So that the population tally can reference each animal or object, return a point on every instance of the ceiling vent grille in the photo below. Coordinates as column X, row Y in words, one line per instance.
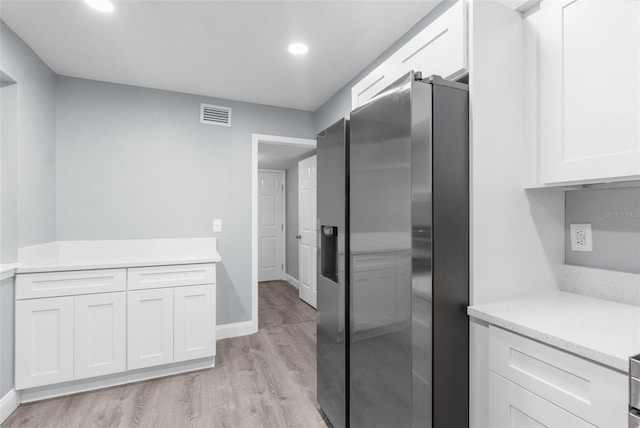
column 215, row 115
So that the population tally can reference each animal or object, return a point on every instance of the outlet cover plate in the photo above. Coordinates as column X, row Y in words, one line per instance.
column 581, row 238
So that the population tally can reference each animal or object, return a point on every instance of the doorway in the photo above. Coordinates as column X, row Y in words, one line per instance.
column 274, row 156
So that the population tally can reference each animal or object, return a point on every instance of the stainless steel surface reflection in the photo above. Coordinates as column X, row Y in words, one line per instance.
column 332, row 273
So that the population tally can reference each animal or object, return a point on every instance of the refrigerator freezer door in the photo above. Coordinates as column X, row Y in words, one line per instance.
column 332, row 273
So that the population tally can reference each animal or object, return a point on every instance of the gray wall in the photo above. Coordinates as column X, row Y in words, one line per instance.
column 614, row 215
column 6, row 333
column 28, row 170
column 292, row 221
column 36, row 128
column 8, row 173
column 137, row 163
column 339, row 105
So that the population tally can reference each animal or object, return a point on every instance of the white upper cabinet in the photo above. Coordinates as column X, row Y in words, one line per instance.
column 588, row 90
column 441, row 48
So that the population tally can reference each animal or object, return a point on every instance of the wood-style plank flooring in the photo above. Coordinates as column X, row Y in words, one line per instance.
column 267, row 379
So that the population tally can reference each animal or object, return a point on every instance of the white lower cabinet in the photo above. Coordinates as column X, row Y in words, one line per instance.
column 44, row 341
column 111, row 325
column 511, row 406
column 533, row 384
column 150, row 328
column 194, row 315
column 100, row 332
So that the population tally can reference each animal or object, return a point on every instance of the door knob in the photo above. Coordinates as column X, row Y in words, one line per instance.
column 298, row 236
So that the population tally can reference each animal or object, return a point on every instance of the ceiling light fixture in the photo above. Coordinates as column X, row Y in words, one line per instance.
column 298, row 48
column 101, row 5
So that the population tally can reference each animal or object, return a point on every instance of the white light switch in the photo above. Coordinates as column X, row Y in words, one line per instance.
column 217, row 225
column 581, row 239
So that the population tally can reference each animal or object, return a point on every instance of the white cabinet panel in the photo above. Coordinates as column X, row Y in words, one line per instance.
column 194, row 322
column 44, row 341
column 589, row 90
column 441, row 48
column 170, row 276
column 586, row 389
column 150, row 328
column 100, row 334
column 54, row 284
column 511, row 406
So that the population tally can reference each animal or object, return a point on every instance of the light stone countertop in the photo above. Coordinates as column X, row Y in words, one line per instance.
column 58, row 264
column 86, row 255
column 601, row 330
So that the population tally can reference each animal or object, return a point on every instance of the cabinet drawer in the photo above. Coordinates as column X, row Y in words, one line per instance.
column 71, row 283
column 586, row 389
column 514, row 407
column 171, row 276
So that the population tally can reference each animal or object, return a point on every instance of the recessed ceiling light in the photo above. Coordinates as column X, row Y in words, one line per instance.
column 298, row 48
column 101, row 5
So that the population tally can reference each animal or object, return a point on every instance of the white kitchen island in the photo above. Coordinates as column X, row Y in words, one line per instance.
column 91, row 314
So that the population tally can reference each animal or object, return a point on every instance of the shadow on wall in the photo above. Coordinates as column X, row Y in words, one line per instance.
column 228, row 297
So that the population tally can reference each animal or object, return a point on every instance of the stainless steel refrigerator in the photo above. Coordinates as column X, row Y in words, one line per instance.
column 392, row 324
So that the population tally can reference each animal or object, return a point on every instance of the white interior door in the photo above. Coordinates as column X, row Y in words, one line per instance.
column 307, row 219
column 270, row 225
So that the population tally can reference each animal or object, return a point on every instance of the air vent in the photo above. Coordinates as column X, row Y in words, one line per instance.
column 215, row 115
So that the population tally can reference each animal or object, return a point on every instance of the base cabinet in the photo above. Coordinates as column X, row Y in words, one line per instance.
column 100, row 333
column 511, row 406
column 160, row 315
column 44, row 341
column 150, row 328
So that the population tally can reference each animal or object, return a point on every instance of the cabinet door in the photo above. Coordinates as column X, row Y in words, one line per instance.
column 589, row 90
column 100, row 334
column 512, row 406
column 150, row 328
column 44, row 341
column 194, row 334
column 438, row 49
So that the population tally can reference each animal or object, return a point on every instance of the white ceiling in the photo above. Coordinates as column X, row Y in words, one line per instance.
column 281, row 156
column 229, row 49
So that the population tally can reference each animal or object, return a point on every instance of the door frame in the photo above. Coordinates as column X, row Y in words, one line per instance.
column 255, row 140
column 283, row 247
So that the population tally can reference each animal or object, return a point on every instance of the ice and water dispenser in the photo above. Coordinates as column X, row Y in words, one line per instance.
column 329, row 252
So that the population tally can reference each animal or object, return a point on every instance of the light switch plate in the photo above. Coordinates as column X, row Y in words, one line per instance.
column 581, row 239
column 217, row 225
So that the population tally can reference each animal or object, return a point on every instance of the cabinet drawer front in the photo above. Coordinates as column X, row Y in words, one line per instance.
column 71, row 283
column 171, row 276
column 514, row 407
column 586, row 389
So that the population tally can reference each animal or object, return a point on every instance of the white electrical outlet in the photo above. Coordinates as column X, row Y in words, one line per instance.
column 217, row 225
column 581, row 239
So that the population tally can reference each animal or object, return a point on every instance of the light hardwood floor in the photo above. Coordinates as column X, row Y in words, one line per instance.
column 264, row 380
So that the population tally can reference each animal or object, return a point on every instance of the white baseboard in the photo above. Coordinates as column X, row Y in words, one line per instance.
column 107, row 381
column 291, row 280
column 244, row 328
column 8, row 404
